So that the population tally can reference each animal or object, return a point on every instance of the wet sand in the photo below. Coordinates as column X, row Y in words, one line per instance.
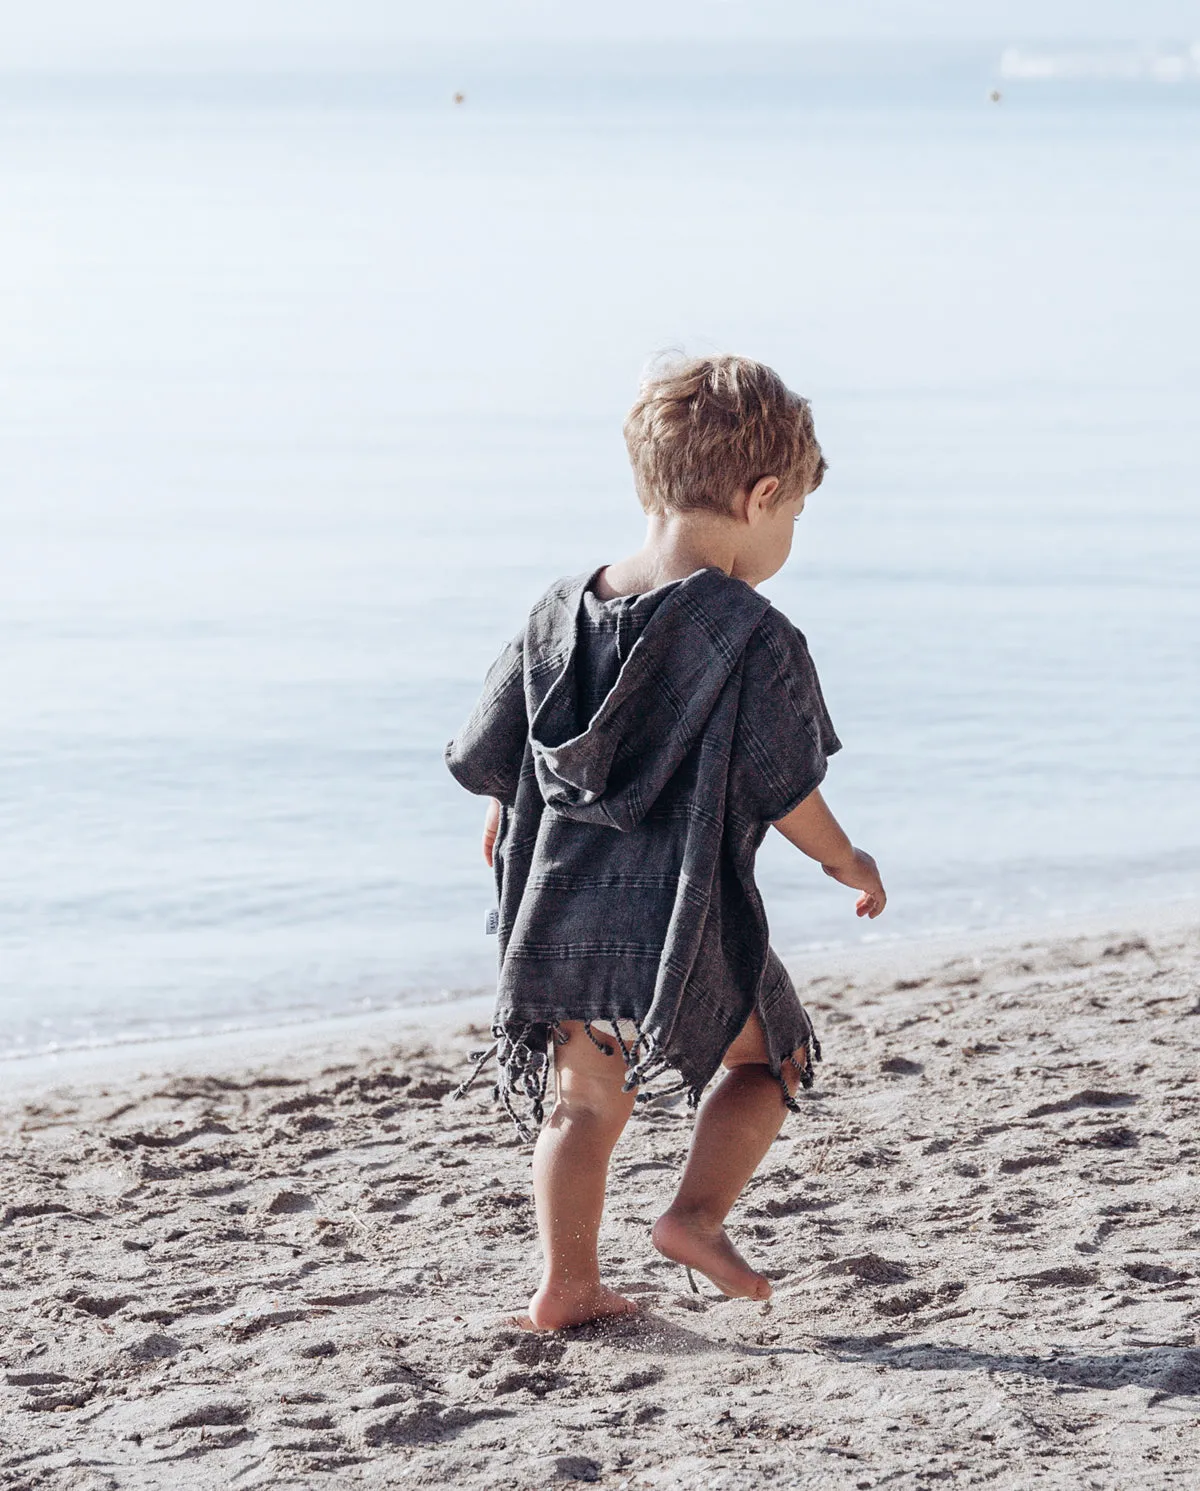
column 984, row 1230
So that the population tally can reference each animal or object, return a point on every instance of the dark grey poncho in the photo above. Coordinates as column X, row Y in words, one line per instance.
column 640, row 749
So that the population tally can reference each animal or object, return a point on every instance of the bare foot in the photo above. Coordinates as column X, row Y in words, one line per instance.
column 684, row 1240
column 554, row 1307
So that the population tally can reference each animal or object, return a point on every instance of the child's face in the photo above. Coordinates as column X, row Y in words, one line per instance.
column 770, row 528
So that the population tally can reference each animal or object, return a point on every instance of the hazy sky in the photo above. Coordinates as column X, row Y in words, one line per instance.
column 54, row 30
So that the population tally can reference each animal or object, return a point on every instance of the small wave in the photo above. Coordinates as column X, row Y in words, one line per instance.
column 60, row 1044
column 1109, row 65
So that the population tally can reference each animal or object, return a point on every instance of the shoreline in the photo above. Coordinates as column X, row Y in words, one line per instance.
column 308, row 1038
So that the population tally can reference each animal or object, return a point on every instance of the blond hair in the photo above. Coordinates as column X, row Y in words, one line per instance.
column 706, row 428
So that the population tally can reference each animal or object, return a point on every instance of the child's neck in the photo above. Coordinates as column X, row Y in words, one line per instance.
column 677, row 545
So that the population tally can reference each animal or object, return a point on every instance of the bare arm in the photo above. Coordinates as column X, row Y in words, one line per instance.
column 491, row 827
column 816, row 832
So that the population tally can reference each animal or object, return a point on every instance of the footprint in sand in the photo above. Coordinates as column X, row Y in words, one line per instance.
column 1091, row 1097
column 870, row 1268
column 900, row 1066
column 288, row 1203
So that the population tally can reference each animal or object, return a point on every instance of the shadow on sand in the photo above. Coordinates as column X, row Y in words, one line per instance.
column 1168, row 1371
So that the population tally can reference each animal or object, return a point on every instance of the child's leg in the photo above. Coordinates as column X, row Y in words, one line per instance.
column 734, row 1129
column 570, row 1172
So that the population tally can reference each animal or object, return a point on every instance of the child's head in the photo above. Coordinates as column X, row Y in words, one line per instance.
column 707, row 430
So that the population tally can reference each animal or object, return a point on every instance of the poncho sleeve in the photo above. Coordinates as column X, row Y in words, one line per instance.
column 784, row 735
column 486, row 754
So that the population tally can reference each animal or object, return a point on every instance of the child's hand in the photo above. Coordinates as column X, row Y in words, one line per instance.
column 860, row 872
column 491, row 827
column 816, row 832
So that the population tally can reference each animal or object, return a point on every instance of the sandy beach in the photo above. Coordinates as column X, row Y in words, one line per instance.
column 246, row 1269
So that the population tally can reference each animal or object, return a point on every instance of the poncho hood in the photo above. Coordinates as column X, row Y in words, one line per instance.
column 609, row 767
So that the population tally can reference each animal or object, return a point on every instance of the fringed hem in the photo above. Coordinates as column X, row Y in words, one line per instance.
column 810, row 1054
column 523, row 1069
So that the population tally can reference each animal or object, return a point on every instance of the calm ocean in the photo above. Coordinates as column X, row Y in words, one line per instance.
column 309, row 386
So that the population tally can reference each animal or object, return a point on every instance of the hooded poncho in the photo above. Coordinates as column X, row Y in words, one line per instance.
column 640, row 748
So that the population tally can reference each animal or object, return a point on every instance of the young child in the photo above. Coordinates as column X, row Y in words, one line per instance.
column 638, row 738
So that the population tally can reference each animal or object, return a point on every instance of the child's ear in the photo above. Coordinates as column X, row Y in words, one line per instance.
column 759, row 498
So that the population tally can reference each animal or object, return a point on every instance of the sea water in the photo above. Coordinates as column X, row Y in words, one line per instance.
column 311, row 383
